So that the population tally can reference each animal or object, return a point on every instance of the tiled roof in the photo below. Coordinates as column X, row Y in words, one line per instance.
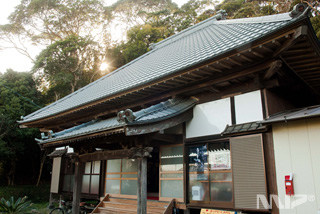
column 245, row 127
column 202, row 42
column 295, row 114
column 155, row 113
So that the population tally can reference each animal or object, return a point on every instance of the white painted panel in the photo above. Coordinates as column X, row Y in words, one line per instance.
column 314, row 136
column 294, row 143
column 209, row 118
column 248, row 107
column 55, row 177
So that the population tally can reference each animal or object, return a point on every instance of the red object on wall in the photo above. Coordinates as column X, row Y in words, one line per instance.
column 289, row 185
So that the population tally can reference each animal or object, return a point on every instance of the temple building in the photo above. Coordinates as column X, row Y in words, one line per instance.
column 222, row 116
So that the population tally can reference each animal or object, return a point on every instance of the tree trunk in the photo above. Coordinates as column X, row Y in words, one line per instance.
column 42, row 161
column 11, row 173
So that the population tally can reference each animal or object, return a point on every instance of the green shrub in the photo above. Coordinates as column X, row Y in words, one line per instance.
column 14, row 207
column 35, row 193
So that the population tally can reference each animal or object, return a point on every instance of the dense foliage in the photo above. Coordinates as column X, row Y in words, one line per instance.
column 67, row 65
column 18, row 95
column 36, row 194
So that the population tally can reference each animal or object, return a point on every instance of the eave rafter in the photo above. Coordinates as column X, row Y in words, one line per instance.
column 303, row 57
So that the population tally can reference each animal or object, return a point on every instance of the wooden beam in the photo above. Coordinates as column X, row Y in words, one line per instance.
column 211, row 67
column 307, row 69
column 77, row 187
column 298, row 51
column 299, row 63
column 275, row 42
column 306, row 65
column 234, row 61
column 256, row 53
column 229, row 76
column 142, row 186
column 132, row 153
column 213, row 89
column 186, row 79
column 179, row 80
column 299, row 32
column 275, row 67
column 203, row 71
column 170, row 138
column 224, row 65
column 265, row 48
column 300, row 57
column 139, row 187
column 309, row 75
column 244, row 57
column 195, row 75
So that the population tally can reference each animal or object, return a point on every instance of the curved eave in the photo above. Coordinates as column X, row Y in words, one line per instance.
column 158, row 117
column 78, row 138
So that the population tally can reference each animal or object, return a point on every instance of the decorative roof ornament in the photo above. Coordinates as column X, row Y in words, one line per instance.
column 50, row 133
column 221, row 15
column 298, row 9
column 152, row 46
column 126, row 116
column 43, row 136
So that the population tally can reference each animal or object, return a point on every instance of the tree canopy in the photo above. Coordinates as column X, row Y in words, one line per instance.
column 18, row 96
column 47, row 21
column 67, row 65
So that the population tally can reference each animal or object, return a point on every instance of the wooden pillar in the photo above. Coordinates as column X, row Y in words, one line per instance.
column 139, row 187
column 142, row 186
column 77, row 186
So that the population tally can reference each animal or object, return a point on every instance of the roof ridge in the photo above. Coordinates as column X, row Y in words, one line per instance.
column 259, row 19
column 212, row 18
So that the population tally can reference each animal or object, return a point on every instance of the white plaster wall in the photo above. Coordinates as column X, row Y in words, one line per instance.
column 248, row 107
column 55, row 176
column 297, row 151
column 209, row 118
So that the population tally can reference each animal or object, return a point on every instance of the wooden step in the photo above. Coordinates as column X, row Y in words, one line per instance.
column 122, row 210
column 134, row 201
column 129, row 206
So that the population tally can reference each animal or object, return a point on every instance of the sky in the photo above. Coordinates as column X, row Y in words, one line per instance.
column 10, row 58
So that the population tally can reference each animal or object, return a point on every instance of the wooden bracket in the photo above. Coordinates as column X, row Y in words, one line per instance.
column 213, row 89
column 298, row 34
column 141, row 152
column 274, row 67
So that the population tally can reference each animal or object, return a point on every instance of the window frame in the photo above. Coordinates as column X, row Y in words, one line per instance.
column 90, row 178
column 66, row 161
column 121, row 173
column 170, row 172
column 218, row 204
